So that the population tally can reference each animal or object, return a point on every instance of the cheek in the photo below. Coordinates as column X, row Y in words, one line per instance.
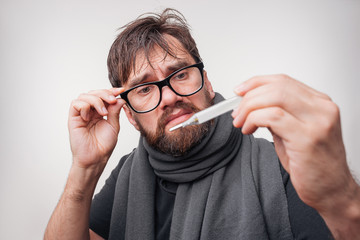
column 147, row 121
column 203, row 100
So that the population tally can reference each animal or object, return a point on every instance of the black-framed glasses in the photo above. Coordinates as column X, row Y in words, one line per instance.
column 184, row 82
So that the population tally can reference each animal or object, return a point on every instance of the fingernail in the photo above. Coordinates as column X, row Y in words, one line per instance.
column 111, row 98
column 103, row 109
column 117, row 90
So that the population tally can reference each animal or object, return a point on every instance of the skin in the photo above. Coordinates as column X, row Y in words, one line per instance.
column 92, row 139
column 158, row 71
column 306, row 128
column 305, row 125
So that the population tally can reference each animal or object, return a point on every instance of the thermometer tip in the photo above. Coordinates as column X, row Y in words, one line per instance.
column 175, row 127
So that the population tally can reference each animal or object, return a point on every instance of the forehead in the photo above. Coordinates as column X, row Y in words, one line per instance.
column 159, row 58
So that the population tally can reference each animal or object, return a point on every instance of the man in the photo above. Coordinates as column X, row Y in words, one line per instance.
column 208, row 181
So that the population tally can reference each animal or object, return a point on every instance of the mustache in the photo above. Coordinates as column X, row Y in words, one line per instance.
column 178, row 105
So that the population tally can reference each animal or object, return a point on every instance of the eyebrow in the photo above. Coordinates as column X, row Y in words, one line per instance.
column 171, row 68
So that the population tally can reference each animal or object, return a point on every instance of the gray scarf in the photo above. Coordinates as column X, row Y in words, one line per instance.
column 230, row 187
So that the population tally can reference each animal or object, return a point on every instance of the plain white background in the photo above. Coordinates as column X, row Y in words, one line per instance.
column 51, row 51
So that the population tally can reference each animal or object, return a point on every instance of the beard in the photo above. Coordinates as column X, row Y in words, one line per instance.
column 179, row 142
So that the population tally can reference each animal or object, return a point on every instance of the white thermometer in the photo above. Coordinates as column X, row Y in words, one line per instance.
column 210, row 112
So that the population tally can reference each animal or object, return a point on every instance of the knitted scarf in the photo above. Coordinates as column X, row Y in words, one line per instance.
column 230, row 187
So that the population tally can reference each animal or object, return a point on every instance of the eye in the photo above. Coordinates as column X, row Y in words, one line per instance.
column 181, row 75
column 144, row 90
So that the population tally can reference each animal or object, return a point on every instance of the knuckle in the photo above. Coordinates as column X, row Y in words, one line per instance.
column 282, row 80
column 76, row 103
column 325, row 96
column 251, row 116
column 276, row 114
column 255, row 80
column 82, row 95
column 99, row 92
column 333, row 118
column 333, row 109
column 283, row 77
column 94, row 91
column 326, row 126
column 98, row 102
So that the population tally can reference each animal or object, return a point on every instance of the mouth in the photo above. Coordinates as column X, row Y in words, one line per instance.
column 178, row 117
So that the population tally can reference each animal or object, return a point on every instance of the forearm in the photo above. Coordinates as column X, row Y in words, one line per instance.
column 342, row 216
column 70, row 219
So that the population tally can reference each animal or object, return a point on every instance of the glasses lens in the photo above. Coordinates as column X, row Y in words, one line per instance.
column 187, row 81
column 144, row 98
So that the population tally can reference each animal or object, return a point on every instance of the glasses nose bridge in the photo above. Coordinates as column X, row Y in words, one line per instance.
column 163, row 83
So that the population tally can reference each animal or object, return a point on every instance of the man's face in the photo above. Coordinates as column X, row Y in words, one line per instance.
column 173, row 109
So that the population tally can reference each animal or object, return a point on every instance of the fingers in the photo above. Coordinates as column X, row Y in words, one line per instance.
column 285, row 105
column 255, row 82
column 279, row 79
column 297, row 116
column 306, row 130
column 97, row 100
column 272, row 95
column 283, row 126
column 280, row 91
column 114, row 111
column 80, row 108
column 274, row 118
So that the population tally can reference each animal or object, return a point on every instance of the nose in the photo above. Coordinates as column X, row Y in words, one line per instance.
column 169, row 98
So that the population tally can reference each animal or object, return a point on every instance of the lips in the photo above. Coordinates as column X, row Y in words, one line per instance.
column 178, row 117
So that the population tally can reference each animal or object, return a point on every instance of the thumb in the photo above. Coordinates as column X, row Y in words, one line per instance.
column 114, row 114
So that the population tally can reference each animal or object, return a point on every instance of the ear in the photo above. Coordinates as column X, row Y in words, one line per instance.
column 130, row 115
column 208, row 85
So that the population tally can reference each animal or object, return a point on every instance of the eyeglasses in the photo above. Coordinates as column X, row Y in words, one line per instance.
column 184, row 82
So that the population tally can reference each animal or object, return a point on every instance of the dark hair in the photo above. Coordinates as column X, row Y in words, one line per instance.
column 143, row 34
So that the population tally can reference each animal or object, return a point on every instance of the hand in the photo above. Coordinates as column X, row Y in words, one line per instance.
column 92, row 137
column 305, row 125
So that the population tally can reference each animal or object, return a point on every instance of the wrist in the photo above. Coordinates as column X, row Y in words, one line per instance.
column 81, row 182
column 91, row 164
column 345, row 203
column 343, row 215
column 352, row 209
